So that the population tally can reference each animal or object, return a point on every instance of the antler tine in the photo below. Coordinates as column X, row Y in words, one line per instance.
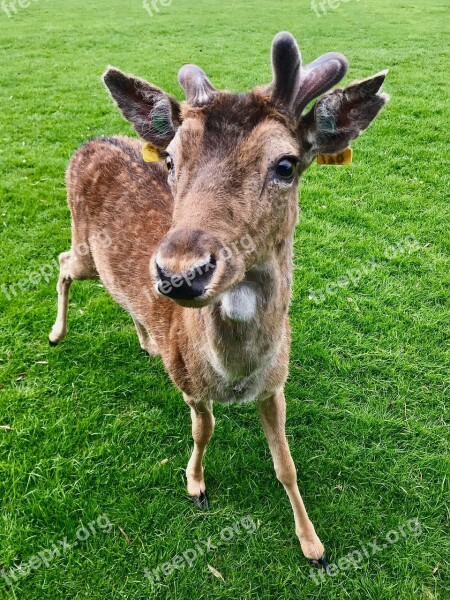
column 318, row 77
column 286, row 68
column 196, row 85
column 293, row 86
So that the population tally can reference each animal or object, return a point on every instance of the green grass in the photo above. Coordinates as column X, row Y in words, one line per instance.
column 94, row 418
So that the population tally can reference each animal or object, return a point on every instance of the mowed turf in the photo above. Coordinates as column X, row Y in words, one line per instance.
column 98, row 429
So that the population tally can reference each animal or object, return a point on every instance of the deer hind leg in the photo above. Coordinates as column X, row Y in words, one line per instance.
column 202, row 430
column 272, row 413
column 146, row 340
column 71, row 266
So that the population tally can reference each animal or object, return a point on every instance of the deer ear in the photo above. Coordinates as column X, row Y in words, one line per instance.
column 339, row 117
column 154, row 114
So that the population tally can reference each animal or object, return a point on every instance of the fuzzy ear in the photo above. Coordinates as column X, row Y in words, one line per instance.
column 154, row 114
column 340, row 117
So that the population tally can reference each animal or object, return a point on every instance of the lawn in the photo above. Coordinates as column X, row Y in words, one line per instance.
column 94, row 438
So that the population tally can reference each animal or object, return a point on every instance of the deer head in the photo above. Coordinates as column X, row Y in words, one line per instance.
column 234, row 161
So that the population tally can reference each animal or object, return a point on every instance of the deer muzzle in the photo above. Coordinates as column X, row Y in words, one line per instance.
column 192, row 266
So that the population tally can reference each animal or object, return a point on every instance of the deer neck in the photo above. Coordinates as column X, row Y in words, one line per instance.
column 244, row 330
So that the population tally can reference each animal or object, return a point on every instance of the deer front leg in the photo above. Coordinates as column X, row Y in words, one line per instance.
column 146, row 340
column 272, row 413
column 202, row 430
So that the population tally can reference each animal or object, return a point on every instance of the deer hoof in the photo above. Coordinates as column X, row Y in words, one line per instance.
column 201, row 501
column 52, row 343
column 321, row 563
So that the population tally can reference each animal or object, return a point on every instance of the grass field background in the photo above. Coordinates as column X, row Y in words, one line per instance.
column 98, row 429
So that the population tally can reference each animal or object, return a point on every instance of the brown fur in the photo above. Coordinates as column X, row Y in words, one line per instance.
column 232, row 343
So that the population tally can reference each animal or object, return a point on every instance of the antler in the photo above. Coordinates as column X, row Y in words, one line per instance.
column 286, row 69
column 196, row 85
column 295, row 86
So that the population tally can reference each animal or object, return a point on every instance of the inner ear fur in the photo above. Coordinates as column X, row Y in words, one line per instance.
column 341, row 116
column 153, row 113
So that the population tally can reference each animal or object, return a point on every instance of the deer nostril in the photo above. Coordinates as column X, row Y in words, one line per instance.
column 188, row 285
column 161, row 273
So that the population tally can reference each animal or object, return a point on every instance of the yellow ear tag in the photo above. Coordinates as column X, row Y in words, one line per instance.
column 342, row 158
column 150, row 153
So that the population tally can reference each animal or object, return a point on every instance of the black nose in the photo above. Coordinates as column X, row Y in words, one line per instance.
column 191, row 284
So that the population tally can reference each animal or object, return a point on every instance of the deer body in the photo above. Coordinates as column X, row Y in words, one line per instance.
column 208, row 355
column 216, row 309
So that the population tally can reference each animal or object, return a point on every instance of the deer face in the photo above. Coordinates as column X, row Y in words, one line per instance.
column 233, row 167
column 234, row 162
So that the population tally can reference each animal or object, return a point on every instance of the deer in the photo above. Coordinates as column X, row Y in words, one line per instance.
column 224, row 167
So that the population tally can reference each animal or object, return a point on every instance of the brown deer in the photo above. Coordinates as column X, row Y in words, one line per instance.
column 179, row 257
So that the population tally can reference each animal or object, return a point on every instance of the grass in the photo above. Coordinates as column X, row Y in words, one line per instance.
column 98, row 429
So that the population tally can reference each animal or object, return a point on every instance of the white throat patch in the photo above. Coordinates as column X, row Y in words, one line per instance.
column 240, row 303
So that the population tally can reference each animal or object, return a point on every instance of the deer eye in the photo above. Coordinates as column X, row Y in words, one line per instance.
column 169, row 163
column 285, row 169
